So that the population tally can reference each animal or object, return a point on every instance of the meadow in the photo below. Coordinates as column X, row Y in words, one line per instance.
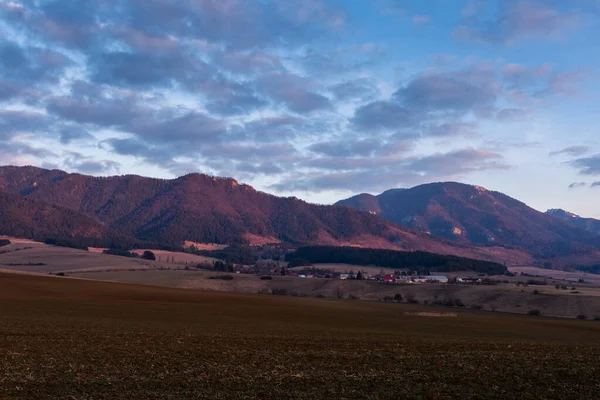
column 63, row 338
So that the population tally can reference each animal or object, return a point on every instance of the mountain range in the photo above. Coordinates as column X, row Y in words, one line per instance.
column 444, row 218
column 476, row 216
column 204, row 209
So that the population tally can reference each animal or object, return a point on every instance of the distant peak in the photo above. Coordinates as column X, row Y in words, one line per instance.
column 560, row 211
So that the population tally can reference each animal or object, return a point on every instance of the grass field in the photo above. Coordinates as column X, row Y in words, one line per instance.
column 64, row 338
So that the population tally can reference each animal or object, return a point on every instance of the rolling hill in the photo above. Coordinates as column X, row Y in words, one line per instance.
column 473, row 215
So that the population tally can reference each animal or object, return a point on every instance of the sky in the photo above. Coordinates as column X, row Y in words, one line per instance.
column 318, row 99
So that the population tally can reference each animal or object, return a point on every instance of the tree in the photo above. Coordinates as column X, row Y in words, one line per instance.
column 148, row 255
column 359, row 276
column 398, row 297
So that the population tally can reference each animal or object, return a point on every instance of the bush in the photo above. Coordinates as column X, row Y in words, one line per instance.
column 148, row 255
column 477, row 307
column 398, row 297
column 279, row 292
column 582, row 316
column 222, row 277
column 411, row 298
column 536, row 292
column 458, row 302
column 4, row 242
column 352, row 297
column 266, row 278
column 597, row 318
column 61, row 274
column 388, row 298
column 120, row 253
column 535, row 312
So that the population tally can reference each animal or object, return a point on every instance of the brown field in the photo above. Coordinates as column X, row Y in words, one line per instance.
column 503, row 298
column 63, row 338
column 26, row 255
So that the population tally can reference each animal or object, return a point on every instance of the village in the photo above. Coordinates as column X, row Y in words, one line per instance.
column 271, row 269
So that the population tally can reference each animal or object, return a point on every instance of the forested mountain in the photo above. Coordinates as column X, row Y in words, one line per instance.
column 22, row 217
column 473, row 215
column 201, row 208
column 589, row 224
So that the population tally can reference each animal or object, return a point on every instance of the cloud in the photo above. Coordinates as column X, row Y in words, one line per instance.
column 382, row 115
column 294, row 91
column 587, row 165
column 515, row 20
column 512, row 114
column 573, row 151
column 577, row 185
column 361, row 89
column 445, row 92
column 421, row 19
column 372, row 174
column 595, row 184
column 458, row 162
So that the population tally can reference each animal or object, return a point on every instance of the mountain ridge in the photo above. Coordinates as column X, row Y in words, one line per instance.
column 473, row 215
column 201, row 208
column 591, row 225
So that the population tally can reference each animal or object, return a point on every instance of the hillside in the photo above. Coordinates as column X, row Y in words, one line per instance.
column 473, row 215
column 589, row 224
column 22, row 217
column 205, row 209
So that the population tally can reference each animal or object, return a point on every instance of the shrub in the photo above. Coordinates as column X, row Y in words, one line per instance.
column 279, row 292
column 388, row 298
column 536, row 292
column 61, row 274
column 398, row 297
column 4, row 242
column 477, row 307
column 411, row 298
column 458, row 302
column 535, row 312
column 582, row 316
column 494, row 307
column 120, row 253
column 266, row 278
column 597, row 318
column 352, row 297
column 148, row 255
column 426, row 302
column 222, row 277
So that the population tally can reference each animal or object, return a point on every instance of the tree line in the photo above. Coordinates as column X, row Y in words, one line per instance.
column 415, row 260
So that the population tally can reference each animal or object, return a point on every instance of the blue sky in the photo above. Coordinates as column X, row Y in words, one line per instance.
column 319, row 99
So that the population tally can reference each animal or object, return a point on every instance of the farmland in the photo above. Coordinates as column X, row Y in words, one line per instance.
column 76, row 339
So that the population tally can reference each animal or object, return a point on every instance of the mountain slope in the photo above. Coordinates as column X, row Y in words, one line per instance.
column 27, row 218
column 201, row 208
column 589, row 224
column 473, row 215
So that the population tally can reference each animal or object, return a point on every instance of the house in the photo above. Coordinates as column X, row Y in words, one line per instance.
column 389, row 278
column 344, row 276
